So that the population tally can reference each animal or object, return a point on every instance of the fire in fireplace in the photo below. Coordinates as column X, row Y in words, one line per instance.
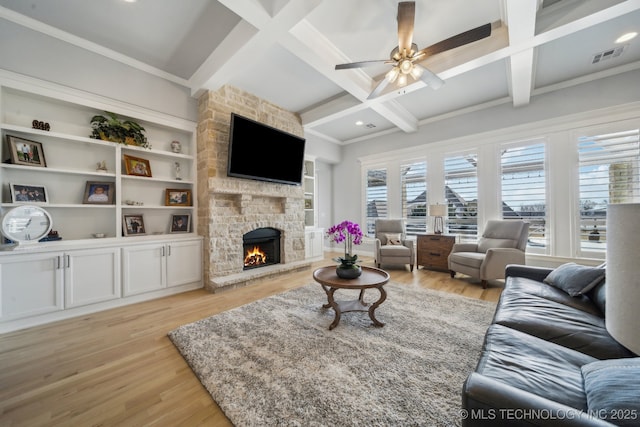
column 261, row 247
column 255, row 257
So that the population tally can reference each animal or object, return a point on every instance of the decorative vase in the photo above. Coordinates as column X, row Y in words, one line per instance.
column 348, row 271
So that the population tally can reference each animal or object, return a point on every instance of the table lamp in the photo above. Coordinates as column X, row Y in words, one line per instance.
column 438, row 211
column 623, row 275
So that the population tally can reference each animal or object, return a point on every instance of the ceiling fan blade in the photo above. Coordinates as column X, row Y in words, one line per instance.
column 361, row 64
column 379, row 88
column 406, row 18
column 456, row 41
column 431, row 79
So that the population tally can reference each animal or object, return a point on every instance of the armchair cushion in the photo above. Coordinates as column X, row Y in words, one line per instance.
column 575, row 279
column 393, row 239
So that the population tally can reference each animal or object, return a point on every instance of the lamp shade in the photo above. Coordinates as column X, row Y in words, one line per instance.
column 437, row 210
column 623, row 274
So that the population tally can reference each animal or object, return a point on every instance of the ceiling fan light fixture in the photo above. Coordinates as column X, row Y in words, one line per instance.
column 392, row 75
column 402, row 80
column 406, row 66
column 417, row 71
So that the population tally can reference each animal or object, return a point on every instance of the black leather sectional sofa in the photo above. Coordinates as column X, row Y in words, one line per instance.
column 538, row 353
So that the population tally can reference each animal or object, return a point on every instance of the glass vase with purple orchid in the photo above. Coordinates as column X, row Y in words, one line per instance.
column 351, row 234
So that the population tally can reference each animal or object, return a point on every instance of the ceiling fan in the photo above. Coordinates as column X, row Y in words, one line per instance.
column 406, row 57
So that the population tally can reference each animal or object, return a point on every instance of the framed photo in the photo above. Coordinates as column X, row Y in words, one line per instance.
column 180, row 223
column 133, row 225
column 177, row 197
column 99, row 193
column 29, row 193
column 137, row 166
column 25, row 152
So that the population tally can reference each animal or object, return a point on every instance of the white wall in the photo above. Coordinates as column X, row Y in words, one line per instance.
column 33, row 54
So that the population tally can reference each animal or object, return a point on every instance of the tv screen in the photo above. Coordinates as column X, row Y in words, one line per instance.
column 260, row 152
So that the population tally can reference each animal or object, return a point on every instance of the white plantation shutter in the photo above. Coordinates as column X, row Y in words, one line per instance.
column 524, row 189
column 376, row 198
column 461, row 191
column 608, row 173
column 413, row 179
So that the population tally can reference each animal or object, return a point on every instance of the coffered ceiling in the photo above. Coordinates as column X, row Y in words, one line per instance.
column 285, row 51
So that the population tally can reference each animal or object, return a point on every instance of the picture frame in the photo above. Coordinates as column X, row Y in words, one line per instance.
column 177, row 197
column 29, row 194
column 99, row 193
column 25, row 152
column 133, row 225
column 180, row 223
column 137, row 166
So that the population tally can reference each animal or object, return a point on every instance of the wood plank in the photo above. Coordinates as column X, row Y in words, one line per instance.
column 119, row 368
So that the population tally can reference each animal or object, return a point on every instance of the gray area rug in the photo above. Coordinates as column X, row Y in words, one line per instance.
column 274, row 361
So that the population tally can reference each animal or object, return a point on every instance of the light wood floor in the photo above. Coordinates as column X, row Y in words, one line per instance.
column 118, row 368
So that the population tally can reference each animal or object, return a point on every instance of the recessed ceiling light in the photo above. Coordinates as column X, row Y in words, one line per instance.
column 359, row 123
column 626, row 37
column 130, row 1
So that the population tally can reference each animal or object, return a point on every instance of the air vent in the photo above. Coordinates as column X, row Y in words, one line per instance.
column 608, row 54
column 370, row 125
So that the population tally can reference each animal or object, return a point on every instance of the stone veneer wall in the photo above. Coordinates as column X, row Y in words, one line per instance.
column 230, row 207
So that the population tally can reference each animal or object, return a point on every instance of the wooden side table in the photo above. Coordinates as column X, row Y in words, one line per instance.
column 434, row 249
column 370, row 278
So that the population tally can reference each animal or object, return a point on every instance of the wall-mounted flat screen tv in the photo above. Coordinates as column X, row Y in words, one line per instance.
column 261, row 152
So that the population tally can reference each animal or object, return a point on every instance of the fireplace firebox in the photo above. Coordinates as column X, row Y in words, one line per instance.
column 261, row 247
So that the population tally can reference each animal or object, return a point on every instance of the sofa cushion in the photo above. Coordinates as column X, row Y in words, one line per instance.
column 523, row 286
column 558, row 323
column 534, row 365
column 575, row 279
column 599, row 296
column 613, row 391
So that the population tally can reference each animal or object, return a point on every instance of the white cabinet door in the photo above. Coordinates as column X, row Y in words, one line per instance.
column 91, row 275
column 144, row 268
column 30, row 284
column 184, row 262
column 313, row 243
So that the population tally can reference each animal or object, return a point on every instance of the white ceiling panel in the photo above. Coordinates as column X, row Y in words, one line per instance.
column 485, row 84
column 571, row 56
column 285, row 51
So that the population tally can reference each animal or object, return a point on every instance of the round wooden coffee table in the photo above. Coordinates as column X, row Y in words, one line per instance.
column 370, row 278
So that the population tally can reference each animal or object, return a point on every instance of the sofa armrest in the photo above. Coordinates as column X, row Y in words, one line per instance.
column 489, row 402
column 528, row 272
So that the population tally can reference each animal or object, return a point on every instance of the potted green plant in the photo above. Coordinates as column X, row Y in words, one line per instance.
column 111, row 128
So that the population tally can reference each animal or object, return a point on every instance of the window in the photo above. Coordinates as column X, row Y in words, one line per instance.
column 413, row 179
column 376, row 197
column 608, row 166
column 524, row 189
column 461, row 192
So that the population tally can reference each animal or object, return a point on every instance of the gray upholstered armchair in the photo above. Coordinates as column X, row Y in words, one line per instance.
column 503, row 242
column 392, row 246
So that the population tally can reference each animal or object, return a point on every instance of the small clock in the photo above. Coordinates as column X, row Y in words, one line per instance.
column 26, row 224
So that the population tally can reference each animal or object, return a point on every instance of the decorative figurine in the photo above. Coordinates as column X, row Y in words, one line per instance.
column 101, row 166
column 178, row 173
column 37, row 124
column 176, row 146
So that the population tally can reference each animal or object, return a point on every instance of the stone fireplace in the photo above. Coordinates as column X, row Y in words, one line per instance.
column 230, row 208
